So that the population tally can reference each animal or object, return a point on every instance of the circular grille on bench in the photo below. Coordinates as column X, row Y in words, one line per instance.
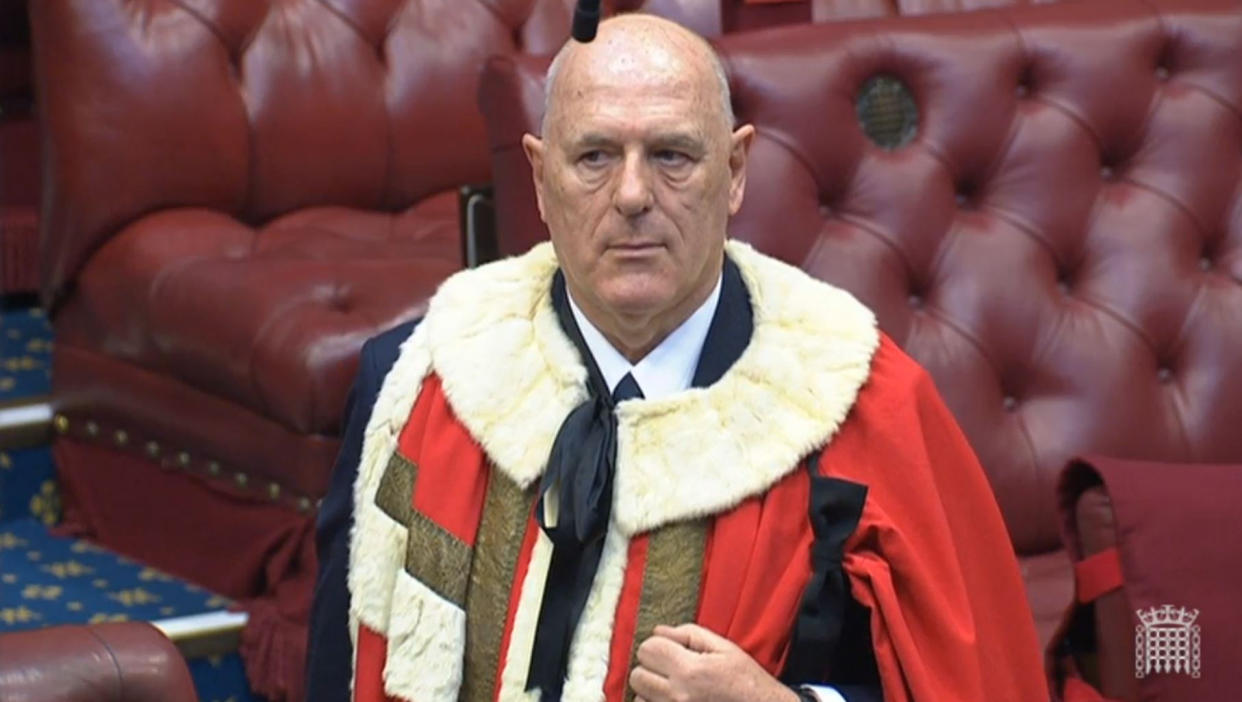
column 887, row 112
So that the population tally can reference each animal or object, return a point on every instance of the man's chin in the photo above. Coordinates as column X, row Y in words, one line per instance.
column 635, row 303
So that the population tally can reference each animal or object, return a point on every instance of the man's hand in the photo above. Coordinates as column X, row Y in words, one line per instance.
column 690, row 664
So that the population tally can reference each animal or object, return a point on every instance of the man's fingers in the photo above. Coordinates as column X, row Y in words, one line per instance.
column 648, row 685
column 662, row 655
column 694, row 638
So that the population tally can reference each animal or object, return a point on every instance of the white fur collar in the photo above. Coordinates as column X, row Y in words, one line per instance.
column 512, row 375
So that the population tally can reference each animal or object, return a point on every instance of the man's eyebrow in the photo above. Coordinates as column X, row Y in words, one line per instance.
column 591, row 139
column 679, row 140
column 687, row 141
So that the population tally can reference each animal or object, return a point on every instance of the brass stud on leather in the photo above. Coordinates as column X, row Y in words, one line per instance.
column 273, row 490
column 62, row 424
column 92, row 429
column 120, row 437
column 304, row 504
column 183, row 459
column 241, row 479
column 213, row 467
column 153, row 449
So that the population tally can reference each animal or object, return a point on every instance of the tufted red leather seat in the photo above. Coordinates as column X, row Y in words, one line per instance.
column 301, row 294
column 1060, row 244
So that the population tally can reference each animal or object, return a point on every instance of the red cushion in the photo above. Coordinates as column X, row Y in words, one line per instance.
column 270, row 318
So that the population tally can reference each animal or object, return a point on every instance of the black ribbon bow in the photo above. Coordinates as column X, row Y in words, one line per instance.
column 836, row 507
column 579, row 482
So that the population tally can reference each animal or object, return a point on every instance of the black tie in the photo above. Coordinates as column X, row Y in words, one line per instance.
column 627, row 389
column 580, row 470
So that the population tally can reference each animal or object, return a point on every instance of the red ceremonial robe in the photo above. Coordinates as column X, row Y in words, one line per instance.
column 710, row 518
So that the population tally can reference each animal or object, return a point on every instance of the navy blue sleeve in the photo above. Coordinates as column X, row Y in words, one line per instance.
column 861, row 693
column 329, row 653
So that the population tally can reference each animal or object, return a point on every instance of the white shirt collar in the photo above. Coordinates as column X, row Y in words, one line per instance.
column 669, row 367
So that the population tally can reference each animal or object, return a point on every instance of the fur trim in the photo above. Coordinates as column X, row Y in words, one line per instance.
column 522, row 638
column 492, row 334
column 377, row 542
column 426, row 639
column 705, row 450
column 590, row 652
column 507, row 369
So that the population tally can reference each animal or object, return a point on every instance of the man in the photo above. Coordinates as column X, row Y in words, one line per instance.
column 641, row 462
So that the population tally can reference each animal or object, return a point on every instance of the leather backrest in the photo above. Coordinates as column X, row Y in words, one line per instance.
column 712, row 18
column 257, row 107
column 742, row 15
column 1060, row 245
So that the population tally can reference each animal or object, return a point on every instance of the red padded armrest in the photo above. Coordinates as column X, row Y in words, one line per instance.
column 116, row 662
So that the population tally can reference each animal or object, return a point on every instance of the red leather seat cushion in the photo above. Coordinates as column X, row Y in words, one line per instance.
column 270, row 317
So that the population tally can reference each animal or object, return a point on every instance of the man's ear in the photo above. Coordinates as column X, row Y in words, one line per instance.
column 533, row 146
column 739, row 152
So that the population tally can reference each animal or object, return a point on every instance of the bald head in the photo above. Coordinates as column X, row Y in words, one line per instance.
column 636, row 174
column 643, row 47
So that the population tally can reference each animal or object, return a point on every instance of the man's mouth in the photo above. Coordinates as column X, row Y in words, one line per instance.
column 628, row 246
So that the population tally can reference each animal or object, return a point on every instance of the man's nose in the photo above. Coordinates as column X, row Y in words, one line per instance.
column 633, row 195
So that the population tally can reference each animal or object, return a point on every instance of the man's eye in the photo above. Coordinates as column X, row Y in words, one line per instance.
column 595, row 157
column 669, row 157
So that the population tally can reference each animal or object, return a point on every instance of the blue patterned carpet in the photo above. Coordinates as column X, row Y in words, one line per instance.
column 47, row 580
column 27, row 485
column 25, row 354
column 68, row 581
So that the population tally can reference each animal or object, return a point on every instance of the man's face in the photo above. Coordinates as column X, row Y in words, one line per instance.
column 636, row 177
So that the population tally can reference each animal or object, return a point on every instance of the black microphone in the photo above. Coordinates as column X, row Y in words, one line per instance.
column 586, row 20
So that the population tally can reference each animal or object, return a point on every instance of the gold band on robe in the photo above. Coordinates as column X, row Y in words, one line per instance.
column 433, row 555
column 506, row 516
column 671, row 582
